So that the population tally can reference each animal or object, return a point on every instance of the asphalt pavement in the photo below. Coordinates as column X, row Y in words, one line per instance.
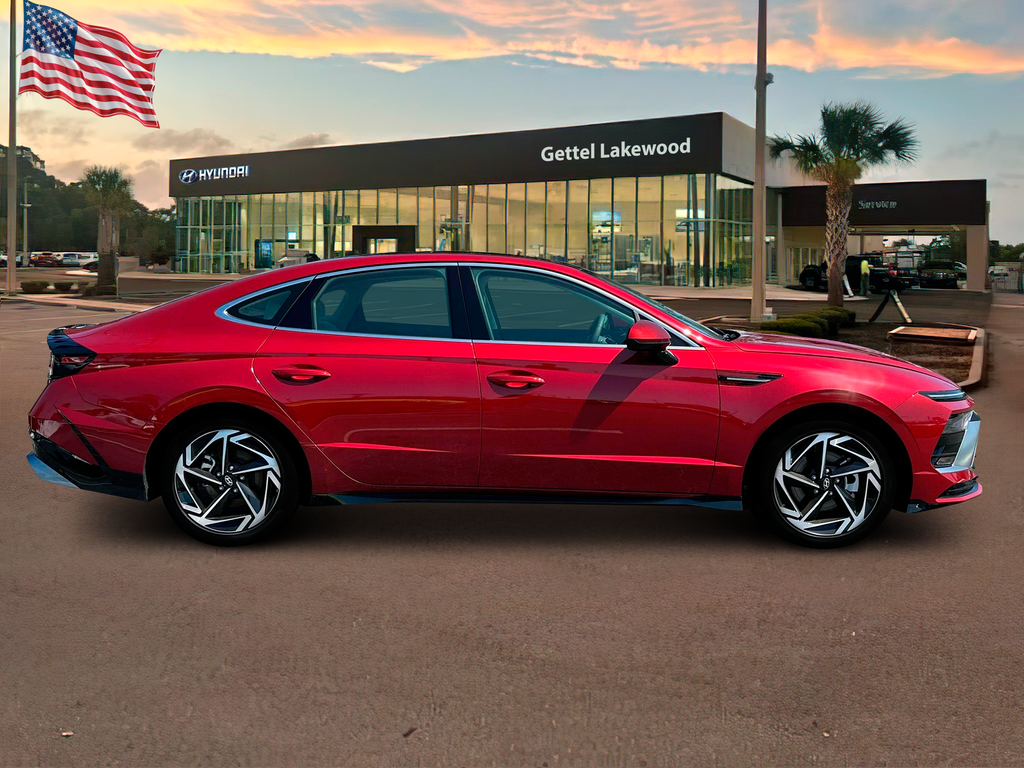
column 506, row 634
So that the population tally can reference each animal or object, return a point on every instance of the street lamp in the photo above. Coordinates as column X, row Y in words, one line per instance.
column 25, row 205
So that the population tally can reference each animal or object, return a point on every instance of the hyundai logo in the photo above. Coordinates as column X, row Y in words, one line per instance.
column 187, row 176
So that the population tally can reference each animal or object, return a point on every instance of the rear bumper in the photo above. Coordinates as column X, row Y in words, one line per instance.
column 57, row 465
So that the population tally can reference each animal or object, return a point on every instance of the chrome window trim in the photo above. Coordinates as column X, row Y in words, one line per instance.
column 222, row 312
column 558, row 275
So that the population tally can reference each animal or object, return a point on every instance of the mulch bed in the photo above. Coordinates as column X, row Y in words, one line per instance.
column 953, row 362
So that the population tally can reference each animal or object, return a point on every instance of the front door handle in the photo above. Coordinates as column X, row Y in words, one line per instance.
column 515, row 379
column 300, row 374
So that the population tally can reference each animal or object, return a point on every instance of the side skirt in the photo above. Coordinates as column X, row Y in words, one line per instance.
column 706, row 501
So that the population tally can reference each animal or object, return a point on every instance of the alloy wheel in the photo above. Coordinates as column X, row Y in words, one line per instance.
column 827, row 484
column 227, row 481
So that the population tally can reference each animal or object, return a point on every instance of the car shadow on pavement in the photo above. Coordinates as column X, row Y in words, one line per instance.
column 417, row 524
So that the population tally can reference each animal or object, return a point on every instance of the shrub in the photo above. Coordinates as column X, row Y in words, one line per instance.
column 63, row 286
column 793, row 326
column 818, row 320
column 847, row 317
column 832, row 320
column 34, row 286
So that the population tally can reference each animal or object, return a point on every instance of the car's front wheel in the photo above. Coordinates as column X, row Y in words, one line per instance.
column 229, row 482
column 823, row 484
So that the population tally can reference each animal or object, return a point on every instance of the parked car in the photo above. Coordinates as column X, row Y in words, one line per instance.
column 881, row 279
column 71, row 259
column 937, row 273
column 998, row 270
column 19, row 261
column 466, row 376
column 90, row 262
column 47, row 259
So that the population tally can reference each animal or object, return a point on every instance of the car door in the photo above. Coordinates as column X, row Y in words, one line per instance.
column 376, row 367
column 567, row 407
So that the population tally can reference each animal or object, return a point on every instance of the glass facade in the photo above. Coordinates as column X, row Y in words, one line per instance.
column 689, row 229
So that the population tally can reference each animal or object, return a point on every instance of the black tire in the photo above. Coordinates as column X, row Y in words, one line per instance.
column 259, row 496
column 767, row 500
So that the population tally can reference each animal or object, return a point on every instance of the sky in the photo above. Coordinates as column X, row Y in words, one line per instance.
column 248, row 75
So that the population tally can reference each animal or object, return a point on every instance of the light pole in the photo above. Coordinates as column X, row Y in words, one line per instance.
column 25, row 205
column 758, row 267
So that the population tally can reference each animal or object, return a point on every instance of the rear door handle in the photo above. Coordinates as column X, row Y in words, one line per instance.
column 515, row 379
column 300, row 374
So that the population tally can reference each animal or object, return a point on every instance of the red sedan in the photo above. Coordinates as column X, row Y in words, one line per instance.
column 465, row 376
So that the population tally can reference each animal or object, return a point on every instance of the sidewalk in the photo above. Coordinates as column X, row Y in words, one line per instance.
column 98, row 305
column 772, row 293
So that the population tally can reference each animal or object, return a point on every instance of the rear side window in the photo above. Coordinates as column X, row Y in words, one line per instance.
column 388, row 302
column 267, row 308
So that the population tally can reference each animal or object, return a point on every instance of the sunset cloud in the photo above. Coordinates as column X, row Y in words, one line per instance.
column 407, row 34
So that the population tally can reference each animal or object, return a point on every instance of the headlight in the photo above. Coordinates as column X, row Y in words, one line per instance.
column 946, row 395
column 951, row 441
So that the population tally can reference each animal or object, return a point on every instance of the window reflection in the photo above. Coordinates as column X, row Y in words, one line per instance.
column 678, row 229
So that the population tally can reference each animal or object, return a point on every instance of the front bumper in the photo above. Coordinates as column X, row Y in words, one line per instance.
column 954, row 484
column 57, row 465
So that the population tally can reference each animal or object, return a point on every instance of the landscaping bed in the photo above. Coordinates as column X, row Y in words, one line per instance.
column 953, row 362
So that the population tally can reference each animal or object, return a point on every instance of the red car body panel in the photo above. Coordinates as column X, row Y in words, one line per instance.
column 603, row 420
column 468, row 415
column 394, row 412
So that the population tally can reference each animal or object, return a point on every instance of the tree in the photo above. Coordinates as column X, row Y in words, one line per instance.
column 853, row 138
column 110, row 190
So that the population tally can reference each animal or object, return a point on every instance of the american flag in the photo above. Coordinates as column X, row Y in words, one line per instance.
column 91, row 68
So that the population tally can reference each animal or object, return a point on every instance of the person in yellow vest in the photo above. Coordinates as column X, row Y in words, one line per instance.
column 865, row 276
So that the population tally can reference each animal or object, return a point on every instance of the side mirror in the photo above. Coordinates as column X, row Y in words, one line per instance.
column 647, row 337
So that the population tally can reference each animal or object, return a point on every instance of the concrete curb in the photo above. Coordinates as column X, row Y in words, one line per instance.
column 976, row 377
column 95, row 306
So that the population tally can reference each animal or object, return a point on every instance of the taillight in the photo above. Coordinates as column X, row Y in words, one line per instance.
column 67, row 356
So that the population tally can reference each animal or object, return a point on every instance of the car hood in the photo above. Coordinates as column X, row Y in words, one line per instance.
column 779, row 344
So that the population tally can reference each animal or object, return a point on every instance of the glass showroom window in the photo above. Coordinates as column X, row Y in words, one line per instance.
column 516, row 232
column 478, row 218
column 367, row 207
column 624, row 254
column 648, row 231
column 425, row 221
column 602, row 226
column 577, row 221
column 496, row 218
column 554, row 242
column 387, row 206
column 407, row 213
column 535, row 210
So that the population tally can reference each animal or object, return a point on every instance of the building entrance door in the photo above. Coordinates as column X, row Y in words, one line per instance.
column 369, row 239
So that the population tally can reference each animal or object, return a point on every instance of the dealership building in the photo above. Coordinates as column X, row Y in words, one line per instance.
column 663, row 201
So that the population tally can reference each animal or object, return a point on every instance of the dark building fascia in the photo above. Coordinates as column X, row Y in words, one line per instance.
column 652, row 147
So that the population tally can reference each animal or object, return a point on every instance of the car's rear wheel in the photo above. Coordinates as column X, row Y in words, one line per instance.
column 229, row 482
column 824, row 484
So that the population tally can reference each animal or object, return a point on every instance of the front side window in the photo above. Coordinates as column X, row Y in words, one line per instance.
column 530, row 307
column 392, row 302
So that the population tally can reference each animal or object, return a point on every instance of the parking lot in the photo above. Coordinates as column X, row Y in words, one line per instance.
column 510, row 634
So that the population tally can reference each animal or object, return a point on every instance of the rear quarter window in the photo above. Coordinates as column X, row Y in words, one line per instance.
column 267, row 308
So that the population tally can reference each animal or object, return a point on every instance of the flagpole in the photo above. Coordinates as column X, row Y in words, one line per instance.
column 12, row 163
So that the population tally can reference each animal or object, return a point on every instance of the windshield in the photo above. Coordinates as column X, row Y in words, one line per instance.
column 713, row 333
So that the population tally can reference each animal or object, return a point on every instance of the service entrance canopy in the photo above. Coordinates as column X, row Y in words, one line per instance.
column 895, row 206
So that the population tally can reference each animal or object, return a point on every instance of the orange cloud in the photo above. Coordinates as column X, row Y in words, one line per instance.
column 406, row 34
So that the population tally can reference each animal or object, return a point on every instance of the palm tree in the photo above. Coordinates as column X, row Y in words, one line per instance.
column 110, row 190
column 854, row 137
